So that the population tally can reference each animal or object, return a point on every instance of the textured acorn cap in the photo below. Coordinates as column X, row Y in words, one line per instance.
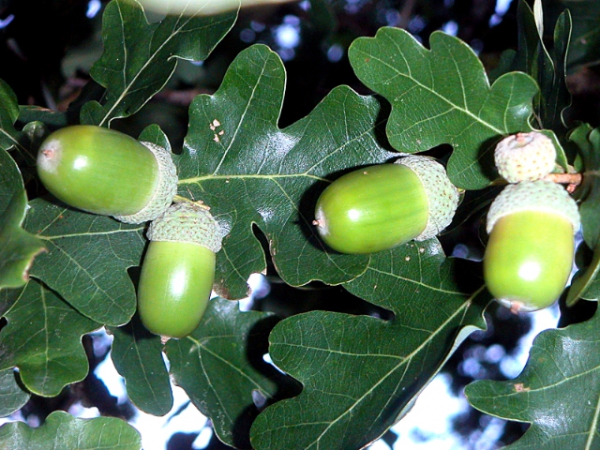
column 442, row 195
column 525, row 157
column 165, row 190
column 187, row 222
column 537, row 195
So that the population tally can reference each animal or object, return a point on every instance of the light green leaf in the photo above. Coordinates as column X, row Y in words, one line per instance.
column 43, row 340
column 443, row 96
column 140, row 57
column 61, row 431
column 557, row 392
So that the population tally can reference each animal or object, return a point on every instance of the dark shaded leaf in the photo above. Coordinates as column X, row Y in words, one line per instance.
column 220, row 367
column 140, row 57
column 137, row 355
column 361, row 374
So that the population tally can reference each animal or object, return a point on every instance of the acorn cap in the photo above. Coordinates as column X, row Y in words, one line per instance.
column 525, row 157
column 165, row 190
column 187, row 222
column 442, row 195
column 537, row 195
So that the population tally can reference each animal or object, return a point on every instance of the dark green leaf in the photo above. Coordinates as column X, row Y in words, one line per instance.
column 137, row 355
column 585, row 47
column 87, row 260
column 139, row 57
column 220, row 367
column 61, row 431
column 9, row 112
column 557, row 392
column 249, row 171
column 43, row 339
column 443, row 96
column 17, row 247
column 12, row 395
column 547, row 67
column 361, row 374
column 588, row 142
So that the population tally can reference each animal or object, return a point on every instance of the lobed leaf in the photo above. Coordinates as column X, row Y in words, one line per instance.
column 9, row 112
column 220, row 367
column 442, row 96
column 18, row 248
column 360, row 374
column 137, row 356
column 250, row 172
column 12, row 395
column 62, row 431
column 140, row 57
column 557, row 392
column 87, row 260
column 43, row 339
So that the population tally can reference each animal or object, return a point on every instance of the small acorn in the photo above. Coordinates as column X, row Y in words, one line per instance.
column 103, row 171
column 178, row 269
column 529, row 254
column 382, row 206
column 525, row 157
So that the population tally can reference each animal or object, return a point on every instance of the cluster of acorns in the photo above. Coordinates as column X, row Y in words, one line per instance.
column 531, row 223
column 80, row 165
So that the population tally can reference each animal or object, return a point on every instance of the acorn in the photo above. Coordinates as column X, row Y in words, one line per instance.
column 529, row 254
column 382, row 206
column 525, row 157
column 103, row 171
column 178, row 269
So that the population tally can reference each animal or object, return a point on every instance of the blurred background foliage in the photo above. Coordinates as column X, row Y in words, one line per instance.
column 47, row 48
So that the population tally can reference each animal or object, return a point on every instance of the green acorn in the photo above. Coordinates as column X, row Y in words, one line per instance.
column 525, row 157
column 178, row 269
column 529, row 255
column 107, row 172
column 382, row 206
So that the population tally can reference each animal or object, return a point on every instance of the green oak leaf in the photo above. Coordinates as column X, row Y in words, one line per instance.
column 557, row 392
column 9, row 112
column 586, row 279
column 12, row 395
column 140, row 57
column 61, row 431
column 220, row 367
column 585, row 47
column 43, row 339
column 360, row 374
column 546, row 66
column 137, row 356
column 18, row 248
column 443, row 96
column 250, row 172
column 87, row 260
